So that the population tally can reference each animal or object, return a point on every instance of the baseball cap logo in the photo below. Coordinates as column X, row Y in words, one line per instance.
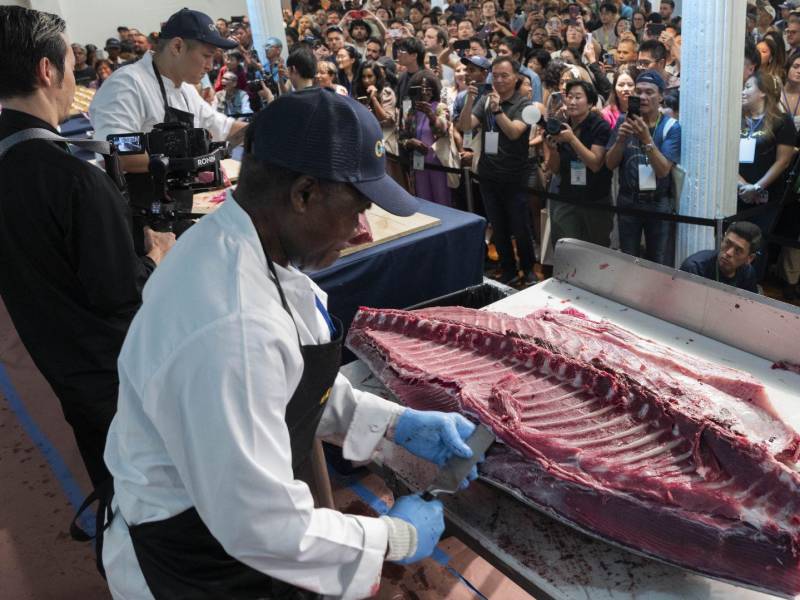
column 211, row 27
column 380, row 149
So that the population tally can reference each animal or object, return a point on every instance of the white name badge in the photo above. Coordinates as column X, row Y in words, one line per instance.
column 468, row 139
column 577, row 173
column 491, row 142
column 747, row 150
column 647, row 178
column 419, row 161
column 406, row 106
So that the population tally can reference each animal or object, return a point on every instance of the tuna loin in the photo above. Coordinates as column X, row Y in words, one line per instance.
column 732, row 398
column 591, row 445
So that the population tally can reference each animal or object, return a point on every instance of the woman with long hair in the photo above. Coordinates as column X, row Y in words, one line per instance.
column 788, row 223
column 765, row 151
column 772, row 60
column 790, row 94
column 624, row 84
column 425, row 124
column 638, row 23
column 348, row 62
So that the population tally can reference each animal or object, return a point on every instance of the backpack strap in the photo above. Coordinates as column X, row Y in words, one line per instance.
column 38, row 133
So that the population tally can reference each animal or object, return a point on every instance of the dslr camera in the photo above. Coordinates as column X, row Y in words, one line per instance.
column 178, row 154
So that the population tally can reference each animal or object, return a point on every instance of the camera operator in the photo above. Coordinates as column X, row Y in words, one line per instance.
column 68, row 275
column 160, row 88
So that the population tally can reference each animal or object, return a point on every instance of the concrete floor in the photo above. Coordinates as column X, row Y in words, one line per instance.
column 43, row 481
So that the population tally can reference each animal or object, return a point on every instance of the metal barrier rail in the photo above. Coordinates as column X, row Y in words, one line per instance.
column 719, row 225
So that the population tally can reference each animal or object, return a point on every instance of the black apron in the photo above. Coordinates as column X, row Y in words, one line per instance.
column 140, row 185
column 179, row 556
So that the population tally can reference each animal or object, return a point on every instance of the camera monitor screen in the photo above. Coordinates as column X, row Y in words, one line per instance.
column 128, row 143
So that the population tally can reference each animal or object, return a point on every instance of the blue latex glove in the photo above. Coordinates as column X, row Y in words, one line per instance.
column 426, row 517
column 434, row 436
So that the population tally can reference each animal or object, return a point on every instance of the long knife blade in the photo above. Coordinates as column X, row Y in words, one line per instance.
column 450, row 476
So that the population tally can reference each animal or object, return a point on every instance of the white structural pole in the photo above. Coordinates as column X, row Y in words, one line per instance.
column 266, row 20
column 711, row 90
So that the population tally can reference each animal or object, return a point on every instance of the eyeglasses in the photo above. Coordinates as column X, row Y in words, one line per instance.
column 645, row 63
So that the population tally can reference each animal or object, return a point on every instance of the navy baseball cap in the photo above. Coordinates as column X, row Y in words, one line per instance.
column 478, row 61
column 323, row 134
column 112, row 43
column 652, row 77
column 194, row 25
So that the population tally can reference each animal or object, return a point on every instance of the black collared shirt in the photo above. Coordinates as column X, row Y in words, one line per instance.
column 69, row 275
column 510, row 164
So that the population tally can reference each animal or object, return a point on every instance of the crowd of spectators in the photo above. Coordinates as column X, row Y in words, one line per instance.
column 449, row 84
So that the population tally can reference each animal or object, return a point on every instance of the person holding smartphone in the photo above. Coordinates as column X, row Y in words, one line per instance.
column 426, row 128
column 645, row 147
column 577, row 154
column 504, row 167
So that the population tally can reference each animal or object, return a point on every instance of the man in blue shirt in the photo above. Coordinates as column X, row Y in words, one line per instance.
column 645, row 148
column 732, row 265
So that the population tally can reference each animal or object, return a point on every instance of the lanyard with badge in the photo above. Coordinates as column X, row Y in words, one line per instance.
column 747, row 146
column 647, row 175
column 577, row 170
column 491, row 138
column 173, row 115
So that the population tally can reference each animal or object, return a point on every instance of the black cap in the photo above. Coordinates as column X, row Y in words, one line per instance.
column 194, row 25
column 321, row 133
column 112, row 43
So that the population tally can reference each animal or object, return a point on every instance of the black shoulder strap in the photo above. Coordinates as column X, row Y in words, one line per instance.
column 43, row 134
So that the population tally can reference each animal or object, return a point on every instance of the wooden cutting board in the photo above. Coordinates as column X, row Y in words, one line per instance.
column 385, row 226
column 231, row 167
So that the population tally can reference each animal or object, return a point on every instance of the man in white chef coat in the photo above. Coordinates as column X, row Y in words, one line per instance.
column 230, row 370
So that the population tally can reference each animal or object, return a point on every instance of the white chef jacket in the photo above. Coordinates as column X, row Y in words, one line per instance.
column 206, row 371
column 130, row 102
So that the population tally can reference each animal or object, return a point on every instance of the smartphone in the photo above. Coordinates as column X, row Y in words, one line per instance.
column 395, row 33
column 574, row 11
column 487, row 88
column 433, row 62
column 634, row 106
column 655, row 29
column 608, row 59
column 239, row 19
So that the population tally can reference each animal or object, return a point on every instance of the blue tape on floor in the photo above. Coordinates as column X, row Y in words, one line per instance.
column 380, row 507
column 59, row 468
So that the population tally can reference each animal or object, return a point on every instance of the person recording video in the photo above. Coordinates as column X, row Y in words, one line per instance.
column 160, row 88
column 69, row 275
